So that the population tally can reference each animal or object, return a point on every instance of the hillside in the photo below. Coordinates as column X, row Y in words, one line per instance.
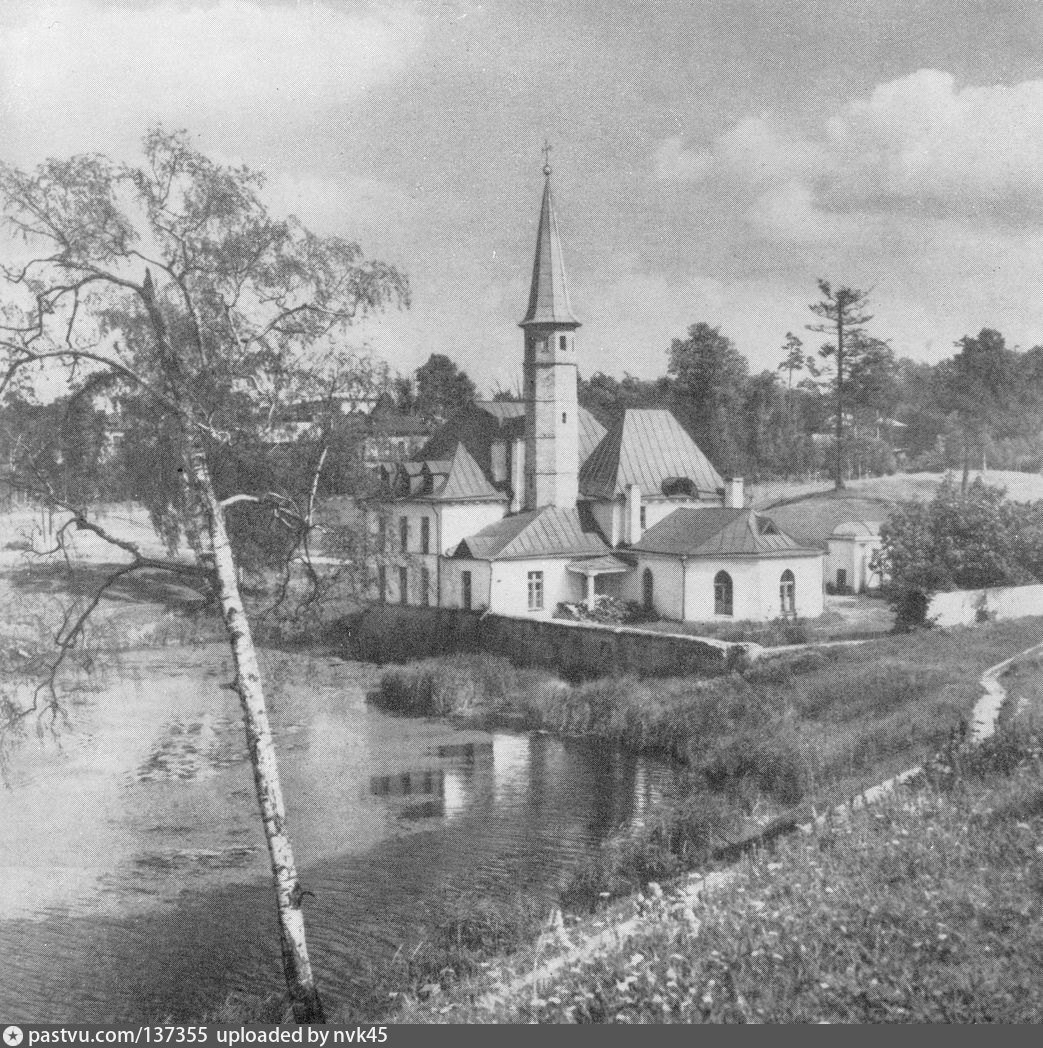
column 809, row 512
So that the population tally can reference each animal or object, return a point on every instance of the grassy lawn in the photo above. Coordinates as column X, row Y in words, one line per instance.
column 1022, row 487
column 925, row 909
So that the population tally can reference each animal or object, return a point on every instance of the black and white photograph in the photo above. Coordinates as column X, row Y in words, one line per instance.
column 519, row 513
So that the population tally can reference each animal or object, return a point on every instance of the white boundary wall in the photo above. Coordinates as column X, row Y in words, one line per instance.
column 961, row 607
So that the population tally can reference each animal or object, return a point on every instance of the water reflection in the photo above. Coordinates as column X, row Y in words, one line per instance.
column 135, row 876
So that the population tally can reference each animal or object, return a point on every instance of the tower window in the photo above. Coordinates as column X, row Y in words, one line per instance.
column 564, row 416
column 563, row 342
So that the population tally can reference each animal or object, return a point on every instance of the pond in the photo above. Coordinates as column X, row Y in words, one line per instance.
column 135, row 885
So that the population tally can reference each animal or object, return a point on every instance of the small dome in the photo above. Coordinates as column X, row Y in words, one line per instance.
column 859, row 529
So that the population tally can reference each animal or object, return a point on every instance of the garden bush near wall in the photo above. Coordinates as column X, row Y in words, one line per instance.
column 969, row 540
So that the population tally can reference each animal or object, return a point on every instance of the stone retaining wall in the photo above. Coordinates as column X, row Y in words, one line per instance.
column 573, row 649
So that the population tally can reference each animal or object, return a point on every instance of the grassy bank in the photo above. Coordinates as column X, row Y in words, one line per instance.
column 818, row 725
column 922, row 910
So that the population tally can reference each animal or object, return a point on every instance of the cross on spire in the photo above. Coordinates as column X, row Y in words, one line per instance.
column 547, row 147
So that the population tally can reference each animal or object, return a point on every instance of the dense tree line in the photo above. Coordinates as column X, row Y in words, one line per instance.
column 847, row 409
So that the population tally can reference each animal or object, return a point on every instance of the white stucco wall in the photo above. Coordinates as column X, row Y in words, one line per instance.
column 609, row 517
column 960, row 608
column 510, row 587
column 452, row 585
column 461, row 520
column 666, row 584
column 755, row 586
column 852, row 555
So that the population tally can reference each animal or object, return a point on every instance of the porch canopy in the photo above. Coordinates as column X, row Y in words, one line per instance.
column 591, row 567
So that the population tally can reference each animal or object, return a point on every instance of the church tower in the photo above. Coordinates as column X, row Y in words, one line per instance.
column 551, row 408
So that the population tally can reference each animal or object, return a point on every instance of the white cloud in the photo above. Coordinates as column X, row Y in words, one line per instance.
column 917, row 145
column 674, row 163
column 81, row 70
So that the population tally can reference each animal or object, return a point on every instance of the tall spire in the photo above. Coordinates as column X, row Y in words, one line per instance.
column 549, row 293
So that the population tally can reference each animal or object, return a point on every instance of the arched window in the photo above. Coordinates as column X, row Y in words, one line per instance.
column 722, row 593
column 647, row 587
column 788, row 593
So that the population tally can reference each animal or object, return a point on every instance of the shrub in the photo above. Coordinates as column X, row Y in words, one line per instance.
column 440, row 686
column 685, row 832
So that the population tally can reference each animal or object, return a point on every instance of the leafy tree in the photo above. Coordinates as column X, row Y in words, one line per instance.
column 606, row 398
column 978, row 386
column 958, row 540
column 794, row 359
column 172, row 279
column 872, row 380
column 442, row 389
column 843, row 316
column 403, row 392
column 709, row 376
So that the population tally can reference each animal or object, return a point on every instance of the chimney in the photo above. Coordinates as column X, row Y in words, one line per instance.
column 517, row 474
column 733, row 494
column 632, row 524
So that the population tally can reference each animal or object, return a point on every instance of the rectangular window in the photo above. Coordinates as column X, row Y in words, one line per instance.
column 425, row 534
column 382, row 583
column 535, row 591
column 403, row 533
column 425, row 586
column 403, row 586
column 465, row 589
column 563, row 342
column 644, row 516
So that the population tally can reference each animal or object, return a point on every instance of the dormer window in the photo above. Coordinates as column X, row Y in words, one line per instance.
column 680, row 486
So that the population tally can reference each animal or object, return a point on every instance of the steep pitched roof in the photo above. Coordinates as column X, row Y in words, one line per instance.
column 459, row 479
column 549, row 292
column 694, row 531
column 645, row 447
column 547, row 532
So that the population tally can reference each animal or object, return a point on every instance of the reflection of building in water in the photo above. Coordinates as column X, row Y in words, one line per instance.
column 454, row 792
column 510, row 765
column 407, row 784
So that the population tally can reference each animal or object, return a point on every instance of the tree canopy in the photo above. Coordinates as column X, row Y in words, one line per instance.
column 958, row 540
column 442, row 389
column 211, row 321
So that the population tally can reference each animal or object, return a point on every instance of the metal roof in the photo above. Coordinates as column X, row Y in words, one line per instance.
column 646, row 447
column 857, row 529
column 547, row 532
column 597, row 565
column 449, row 480
column 695, row 531
column 549, row 292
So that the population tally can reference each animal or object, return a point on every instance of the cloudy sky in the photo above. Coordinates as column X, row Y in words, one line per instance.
column 712, row 158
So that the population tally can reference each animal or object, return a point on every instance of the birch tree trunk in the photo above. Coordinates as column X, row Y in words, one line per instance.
column 300, row 980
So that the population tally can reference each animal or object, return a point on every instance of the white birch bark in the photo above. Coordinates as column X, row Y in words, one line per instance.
column 300, row 980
